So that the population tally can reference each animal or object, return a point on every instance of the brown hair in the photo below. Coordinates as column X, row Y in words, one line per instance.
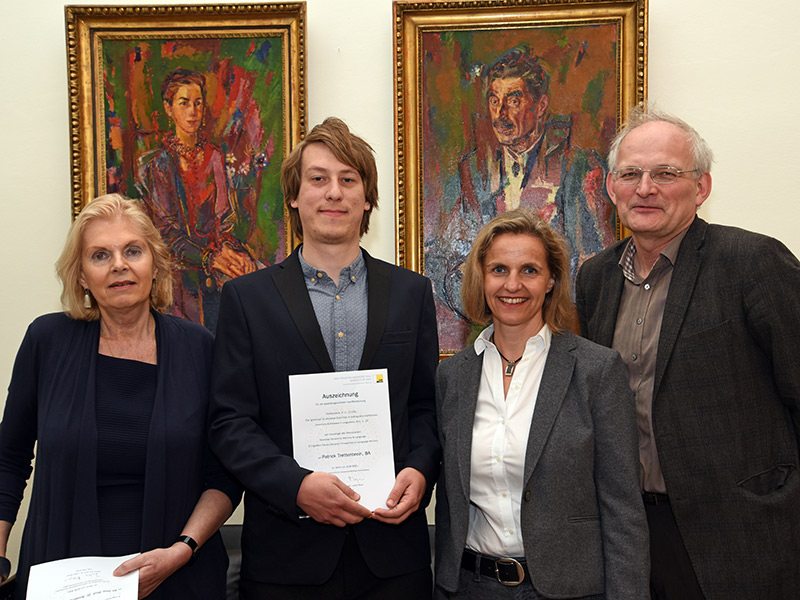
column 520, row 62
column 68, row 266
column 557, row 310
column 179, row 77
column 347, row 148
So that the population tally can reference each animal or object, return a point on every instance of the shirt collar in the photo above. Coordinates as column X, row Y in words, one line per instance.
column 353, row 272
column 484, row 339
column 669, row 253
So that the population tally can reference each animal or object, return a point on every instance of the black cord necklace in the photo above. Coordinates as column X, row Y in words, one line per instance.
column 510, row 364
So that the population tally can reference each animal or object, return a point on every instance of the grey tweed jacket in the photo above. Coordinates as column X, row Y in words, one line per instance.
column 726, row 403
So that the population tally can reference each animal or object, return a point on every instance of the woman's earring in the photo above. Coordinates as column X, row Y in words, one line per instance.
column 87, row 299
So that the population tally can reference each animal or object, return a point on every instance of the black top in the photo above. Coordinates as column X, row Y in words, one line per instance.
column 126, row 391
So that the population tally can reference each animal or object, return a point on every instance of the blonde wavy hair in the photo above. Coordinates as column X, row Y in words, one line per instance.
column 557, row 309
column 68, row 266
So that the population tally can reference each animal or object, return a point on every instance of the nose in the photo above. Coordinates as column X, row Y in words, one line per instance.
column 504, row 109
column 646, row 185
column 334, row 191
column 118, row 262
column 512, row 282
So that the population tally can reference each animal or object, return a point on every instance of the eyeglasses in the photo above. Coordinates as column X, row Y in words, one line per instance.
column 661, row 175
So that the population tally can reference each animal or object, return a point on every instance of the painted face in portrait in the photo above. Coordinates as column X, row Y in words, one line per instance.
column 656, row 211
column 516, row 280
column 186, row 109
column 331, row 200
column 116, row 265
column 515, row 115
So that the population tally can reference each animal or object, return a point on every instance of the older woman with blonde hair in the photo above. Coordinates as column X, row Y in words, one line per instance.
column 538, row 496
column 115, row 394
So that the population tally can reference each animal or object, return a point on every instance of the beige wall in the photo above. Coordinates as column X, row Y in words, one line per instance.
column 730, row 69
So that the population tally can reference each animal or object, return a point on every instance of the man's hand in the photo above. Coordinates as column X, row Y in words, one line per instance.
column 326, row 499
column 404, row 499
column 155, row 566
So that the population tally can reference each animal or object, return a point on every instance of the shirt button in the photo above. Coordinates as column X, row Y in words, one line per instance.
column 313, row 280
column 337, row 297
column 638, row 321
column 647, row 286
column 505, row 495
column 527, row 496
column 497, row 459
column 511, row 532
column 319, row 275
column 341, row 334
column 634, row 356
column 352, row 278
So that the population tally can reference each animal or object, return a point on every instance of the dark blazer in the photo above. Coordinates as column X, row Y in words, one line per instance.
column 268, row 331
column 51, row 400
column 726, row 402
column 583, row 522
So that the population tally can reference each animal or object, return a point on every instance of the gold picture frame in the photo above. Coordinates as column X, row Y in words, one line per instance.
column 210, row 180
column 449, row 151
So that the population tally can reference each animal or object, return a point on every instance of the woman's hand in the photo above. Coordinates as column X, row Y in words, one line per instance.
column 155, row 566
column 232, row 263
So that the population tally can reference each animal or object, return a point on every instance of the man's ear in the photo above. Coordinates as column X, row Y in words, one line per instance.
column 541, row 106
column 610, row 187
column 703, row 188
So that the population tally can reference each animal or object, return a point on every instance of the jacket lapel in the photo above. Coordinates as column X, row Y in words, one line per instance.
column 681, row 287
column 292, row 288
column 379, row 280
column 469, row 380
column 552, row 392
column 610, row 296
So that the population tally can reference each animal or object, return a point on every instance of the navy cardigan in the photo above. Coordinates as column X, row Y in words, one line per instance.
column 51, row 400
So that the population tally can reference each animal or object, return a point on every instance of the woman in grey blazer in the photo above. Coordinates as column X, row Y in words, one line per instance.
column 539, row 494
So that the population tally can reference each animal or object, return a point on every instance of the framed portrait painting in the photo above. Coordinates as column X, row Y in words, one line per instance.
column 191, row 109
column 504, row 104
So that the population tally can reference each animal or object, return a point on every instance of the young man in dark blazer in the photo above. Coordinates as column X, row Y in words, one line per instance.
column 707, row 319
column 330, row 306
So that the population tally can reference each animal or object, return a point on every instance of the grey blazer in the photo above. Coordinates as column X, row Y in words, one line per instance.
column 726, row 402
column 583, row 522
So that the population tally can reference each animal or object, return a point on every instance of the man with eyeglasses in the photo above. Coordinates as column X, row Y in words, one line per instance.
column 707, row 319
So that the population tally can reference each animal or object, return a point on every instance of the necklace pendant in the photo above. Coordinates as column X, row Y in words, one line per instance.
column 510, row 369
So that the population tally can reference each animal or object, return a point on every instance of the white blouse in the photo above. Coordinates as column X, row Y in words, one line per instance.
column 499, row 444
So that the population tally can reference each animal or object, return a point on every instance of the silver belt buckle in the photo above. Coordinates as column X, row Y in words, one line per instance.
column 509, row 561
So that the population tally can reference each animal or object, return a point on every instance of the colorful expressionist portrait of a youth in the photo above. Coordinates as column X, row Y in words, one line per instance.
column 201, row 145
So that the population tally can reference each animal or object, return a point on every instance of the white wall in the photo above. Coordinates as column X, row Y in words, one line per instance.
column 730, row 69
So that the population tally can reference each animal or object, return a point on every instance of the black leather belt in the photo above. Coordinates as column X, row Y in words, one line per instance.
column 508, row 571
column 654, row 498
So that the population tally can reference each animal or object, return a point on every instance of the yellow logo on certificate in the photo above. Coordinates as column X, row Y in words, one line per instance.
column 379, row 378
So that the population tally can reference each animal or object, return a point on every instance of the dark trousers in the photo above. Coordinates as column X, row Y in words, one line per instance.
column 352, row 580
column 672, row 576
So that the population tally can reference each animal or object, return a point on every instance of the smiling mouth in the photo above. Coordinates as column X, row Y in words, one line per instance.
column 120, row 284
column 513, row 300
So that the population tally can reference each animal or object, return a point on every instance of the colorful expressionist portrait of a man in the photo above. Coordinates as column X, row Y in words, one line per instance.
column 517, row 117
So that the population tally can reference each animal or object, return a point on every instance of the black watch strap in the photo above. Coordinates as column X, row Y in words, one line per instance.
column 189, row 541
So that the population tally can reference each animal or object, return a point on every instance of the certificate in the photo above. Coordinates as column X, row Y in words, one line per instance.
column 82, row 577
column 341, row 425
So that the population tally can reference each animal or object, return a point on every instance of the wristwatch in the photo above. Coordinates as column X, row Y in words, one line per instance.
column 5, row 567
column 189, row 541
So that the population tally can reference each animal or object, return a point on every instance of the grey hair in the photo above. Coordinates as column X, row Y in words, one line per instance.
column 640, row 115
